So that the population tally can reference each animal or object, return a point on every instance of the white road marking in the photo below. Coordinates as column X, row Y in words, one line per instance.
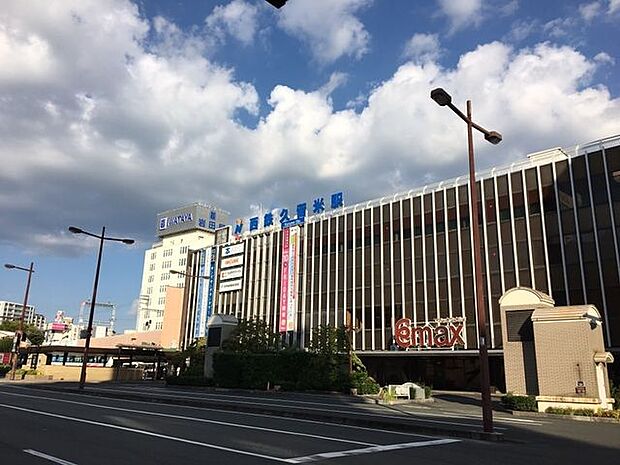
column 228, row 412
column 369, row 450
column 51, row 458
column 147, row 433
column 201, row 420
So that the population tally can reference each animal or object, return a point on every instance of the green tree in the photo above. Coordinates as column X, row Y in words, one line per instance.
column 328, row 340
column 6, row 344
column 34, row 334
column 253, row 336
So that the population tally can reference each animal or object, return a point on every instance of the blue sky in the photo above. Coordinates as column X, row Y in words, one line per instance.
column 113, row 110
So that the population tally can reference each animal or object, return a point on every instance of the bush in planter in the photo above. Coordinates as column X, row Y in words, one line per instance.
column 520, row 403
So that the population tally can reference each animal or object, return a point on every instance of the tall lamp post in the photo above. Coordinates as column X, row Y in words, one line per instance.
column 442, row 98
column 20, row 332
column 102, row 238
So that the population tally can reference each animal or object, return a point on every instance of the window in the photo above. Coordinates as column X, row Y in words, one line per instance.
column 153, row 255
column 149, row 290
column 152, row 267
column 184, row 250
column 162, row 288
column 168, row 253
column 161, row 301
column 182, row 261
column 151, row 278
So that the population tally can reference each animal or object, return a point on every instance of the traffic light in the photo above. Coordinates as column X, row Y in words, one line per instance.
column 277, row 3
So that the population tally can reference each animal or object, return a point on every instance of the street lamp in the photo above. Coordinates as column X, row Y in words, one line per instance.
column 187, row 275
column 89, row 329
column 277, row 3
column 19, row 335
column 442, row 98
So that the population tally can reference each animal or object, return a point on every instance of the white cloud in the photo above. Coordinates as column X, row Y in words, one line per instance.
column 614, row 7
column 422, row 48
column 589, row 11
column 329, row 27
column 115, row 130
column 462, row 13
column 238, row 19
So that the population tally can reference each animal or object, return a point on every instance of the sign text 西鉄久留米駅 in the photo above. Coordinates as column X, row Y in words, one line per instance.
column 443, row 332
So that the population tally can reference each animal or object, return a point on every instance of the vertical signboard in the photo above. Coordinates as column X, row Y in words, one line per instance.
column 201, row 293
column 211, row 284
column 288, row 278
column 291, row 314
column 284, row 275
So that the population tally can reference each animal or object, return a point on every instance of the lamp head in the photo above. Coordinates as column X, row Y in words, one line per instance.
column 493, row 137
column 128, row 241
column 277, row 3
column 75, row 230
column 441, row 97
column 9, row 266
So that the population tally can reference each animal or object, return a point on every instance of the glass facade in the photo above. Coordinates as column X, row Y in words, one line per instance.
column 551, row 222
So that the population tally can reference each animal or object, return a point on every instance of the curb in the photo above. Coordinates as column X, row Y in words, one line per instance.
column 327, row 417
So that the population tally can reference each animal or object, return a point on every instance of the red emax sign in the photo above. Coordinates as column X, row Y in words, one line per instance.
column 443, row 334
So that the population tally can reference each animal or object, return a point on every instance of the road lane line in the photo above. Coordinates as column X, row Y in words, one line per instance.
column 148, row 433
column 51, row 458
column 369, row 450
column 201, row 420
column 226, row 412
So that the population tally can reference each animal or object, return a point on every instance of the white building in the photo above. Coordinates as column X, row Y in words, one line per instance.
column 180, row 231
column 12, row 311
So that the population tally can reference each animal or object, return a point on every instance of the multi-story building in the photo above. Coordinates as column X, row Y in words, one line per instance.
column 550, row 222
column 179, row 231
column 12, row 311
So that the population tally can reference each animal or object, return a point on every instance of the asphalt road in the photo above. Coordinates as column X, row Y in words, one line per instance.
column 42, row 427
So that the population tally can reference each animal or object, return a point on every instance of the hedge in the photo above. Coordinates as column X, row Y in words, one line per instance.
column 291, row 370
column 522, row 403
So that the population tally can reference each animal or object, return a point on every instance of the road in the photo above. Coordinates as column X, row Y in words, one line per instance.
column 43, row 427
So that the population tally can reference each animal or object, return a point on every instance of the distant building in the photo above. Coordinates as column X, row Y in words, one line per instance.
column 180, row 231
column 12, row 311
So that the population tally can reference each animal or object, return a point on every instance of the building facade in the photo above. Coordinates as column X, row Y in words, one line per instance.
column 179, row 231
column 550, row 222
column 12, row 311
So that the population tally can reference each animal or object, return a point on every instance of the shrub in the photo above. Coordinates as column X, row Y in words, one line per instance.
column 586, row 412
column 364, row 383
column 4, row 369
column 521, row 403
column 615, row 393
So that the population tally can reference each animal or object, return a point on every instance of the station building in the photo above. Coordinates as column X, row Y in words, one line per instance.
column 550, row 222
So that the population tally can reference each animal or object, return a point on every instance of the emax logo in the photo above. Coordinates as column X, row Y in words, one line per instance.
column 446, row 335
column 163, row 224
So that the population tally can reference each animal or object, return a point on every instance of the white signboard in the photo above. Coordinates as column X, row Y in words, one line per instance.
column 229, row 250
column 232, row 261
column 227, row 286
column 231, row 274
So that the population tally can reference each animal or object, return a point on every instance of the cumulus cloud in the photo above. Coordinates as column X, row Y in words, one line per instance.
column 328, row 27
column 589, row 11
column 614, row 7
column 115, row 128
column 422, row 48
column 237, row 19
column 461, row 14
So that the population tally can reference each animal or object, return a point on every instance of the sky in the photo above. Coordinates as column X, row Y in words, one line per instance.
column 114, row 110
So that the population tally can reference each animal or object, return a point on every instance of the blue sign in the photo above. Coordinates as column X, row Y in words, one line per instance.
column 211, row 282
column 239, row 227
column 254, row 223
column 268, row 219
column 202, row 223
column 337, row 200
column 211, row 224
column 318, row 205
column 212, row 215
